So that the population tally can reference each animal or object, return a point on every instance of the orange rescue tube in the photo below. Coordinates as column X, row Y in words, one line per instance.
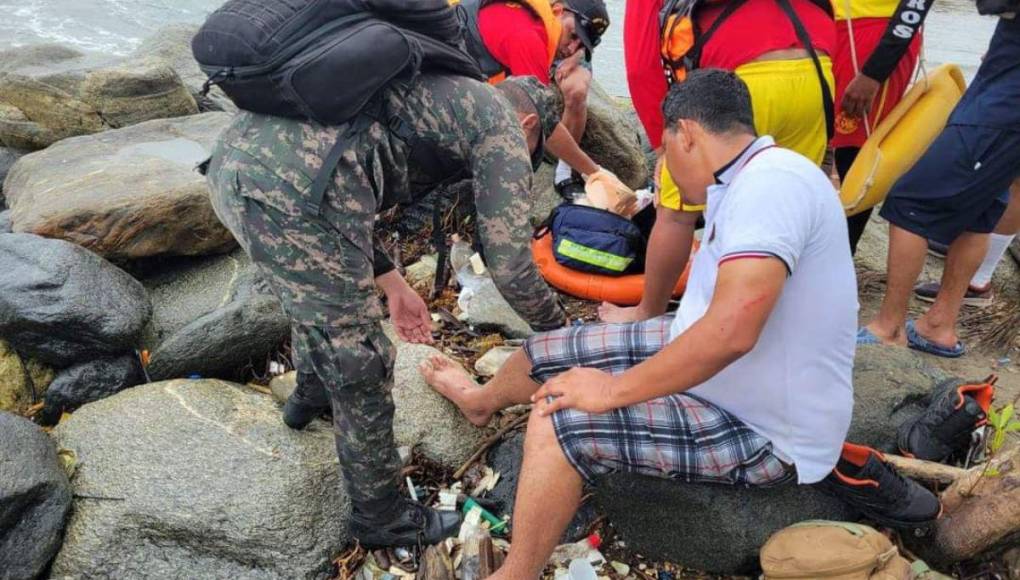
column 621, row 290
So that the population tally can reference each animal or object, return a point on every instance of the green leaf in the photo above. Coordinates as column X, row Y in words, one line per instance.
column 1012, row 427
column 993, row 417
column 992, row 472
column 1007, row 414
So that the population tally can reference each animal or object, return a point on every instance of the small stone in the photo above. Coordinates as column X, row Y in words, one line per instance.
column 490, row 363
column 621, row 568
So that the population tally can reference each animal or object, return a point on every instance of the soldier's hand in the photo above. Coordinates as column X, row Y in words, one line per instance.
column 408, row 312
column 410, row 317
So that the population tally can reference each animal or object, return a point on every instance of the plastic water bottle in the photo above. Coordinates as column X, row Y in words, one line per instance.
column 581, row 569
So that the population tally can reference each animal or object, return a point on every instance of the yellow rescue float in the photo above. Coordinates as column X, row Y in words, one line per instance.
column 901, row 138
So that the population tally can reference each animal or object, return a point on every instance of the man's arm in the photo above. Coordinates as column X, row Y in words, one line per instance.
column 746, row 291
column 501, row 172
column 669, row 248
column 563, row 146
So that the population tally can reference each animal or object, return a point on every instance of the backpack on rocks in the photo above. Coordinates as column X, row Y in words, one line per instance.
column 833, row 550
column 324, row 60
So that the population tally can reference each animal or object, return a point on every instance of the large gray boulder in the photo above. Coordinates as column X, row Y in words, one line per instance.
column 199, row 479
column 34, row 499
column 211, row 316
column 90, row 381
column 49, row 94
column 714, row 528
column 426, row 419
column 611, row 138
column 124, row 194
column 62, row 304
column 171, row 46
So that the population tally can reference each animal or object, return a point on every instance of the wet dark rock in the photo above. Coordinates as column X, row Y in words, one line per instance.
column 211, row 316
column 714, row 528
column 35, row 498
column 506, row 458
column 61, row 304
column 88, row 382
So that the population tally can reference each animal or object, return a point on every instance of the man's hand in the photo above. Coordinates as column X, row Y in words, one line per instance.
column 584, row 389
column 609, row 312
column 568, row 65
column 408, row 312
column 859, row 95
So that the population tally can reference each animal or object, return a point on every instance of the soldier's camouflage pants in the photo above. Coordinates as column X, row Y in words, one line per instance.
column 320, row 265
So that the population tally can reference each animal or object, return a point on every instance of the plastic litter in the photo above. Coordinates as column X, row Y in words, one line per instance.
column 581, row 569
column 496, row 525
column 587, row 549
column 472, row 535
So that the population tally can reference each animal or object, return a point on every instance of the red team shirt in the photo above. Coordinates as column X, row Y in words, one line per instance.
column 516, row 38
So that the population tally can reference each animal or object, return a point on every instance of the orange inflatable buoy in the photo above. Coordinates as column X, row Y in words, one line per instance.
column 621, row 290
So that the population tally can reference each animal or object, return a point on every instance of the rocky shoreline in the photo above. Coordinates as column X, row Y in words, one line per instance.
column 135, row 342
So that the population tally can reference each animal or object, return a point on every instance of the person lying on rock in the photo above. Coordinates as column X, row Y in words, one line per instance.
column 748, row 384
column 321, row 260
column 536, row 38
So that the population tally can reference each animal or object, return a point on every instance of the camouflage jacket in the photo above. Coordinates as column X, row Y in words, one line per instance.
column 461, row 127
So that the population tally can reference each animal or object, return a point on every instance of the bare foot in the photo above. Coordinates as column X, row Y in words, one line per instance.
column 451, row 381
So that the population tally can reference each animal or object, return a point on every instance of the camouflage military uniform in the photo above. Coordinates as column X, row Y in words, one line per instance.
column 322, row 262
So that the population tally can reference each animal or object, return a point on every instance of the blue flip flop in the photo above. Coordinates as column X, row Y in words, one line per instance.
column 918, row 342
column 865, row 336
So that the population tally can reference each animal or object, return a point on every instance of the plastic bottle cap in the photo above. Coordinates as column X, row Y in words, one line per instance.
column 594, row 541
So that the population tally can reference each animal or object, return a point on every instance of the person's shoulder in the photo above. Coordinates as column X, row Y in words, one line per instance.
column 782, row 170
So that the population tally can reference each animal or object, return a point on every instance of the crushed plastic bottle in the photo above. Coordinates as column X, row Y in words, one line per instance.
column 587, row 549
column 472, row 534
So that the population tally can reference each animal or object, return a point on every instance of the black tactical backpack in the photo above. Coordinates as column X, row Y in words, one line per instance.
column 324, row 60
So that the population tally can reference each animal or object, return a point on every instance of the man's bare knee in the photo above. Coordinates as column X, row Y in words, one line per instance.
column 541, row 435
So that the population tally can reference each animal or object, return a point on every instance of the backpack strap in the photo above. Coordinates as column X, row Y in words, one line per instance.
column 828, row 103
column 702, row 39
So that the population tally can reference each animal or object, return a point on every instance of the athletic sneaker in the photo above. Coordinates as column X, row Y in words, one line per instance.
column 979, row 297
column 867, row 483
column 946, row 426
column 938, row 249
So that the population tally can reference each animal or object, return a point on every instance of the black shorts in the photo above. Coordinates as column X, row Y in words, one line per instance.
column 959, row 185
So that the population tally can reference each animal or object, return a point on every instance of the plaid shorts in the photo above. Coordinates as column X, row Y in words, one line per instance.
column 679, row 436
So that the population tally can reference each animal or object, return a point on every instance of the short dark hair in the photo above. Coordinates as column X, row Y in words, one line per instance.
column 714, row 98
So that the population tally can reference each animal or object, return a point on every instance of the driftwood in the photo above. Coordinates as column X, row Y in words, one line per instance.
column 436, row 564
column 926, row 471
column 981, row 513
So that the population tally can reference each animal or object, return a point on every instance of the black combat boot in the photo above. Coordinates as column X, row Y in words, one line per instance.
column 411, row 524
column 308, row 401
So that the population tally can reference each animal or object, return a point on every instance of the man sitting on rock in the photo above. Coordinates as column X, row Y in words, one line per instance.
column 320, row 259
column 748, row 384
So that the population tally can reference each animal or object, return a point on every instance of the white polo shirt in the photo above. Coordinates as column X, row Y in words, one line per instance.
column 794, row 387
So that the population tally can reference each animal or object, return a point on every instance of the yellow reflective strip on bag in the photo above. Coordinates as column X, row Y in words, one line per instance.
column 591, row 256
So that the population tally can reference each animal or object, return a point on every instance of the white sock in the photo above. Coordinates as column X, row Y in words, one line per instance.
column 562, row 172
column 997, row 245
